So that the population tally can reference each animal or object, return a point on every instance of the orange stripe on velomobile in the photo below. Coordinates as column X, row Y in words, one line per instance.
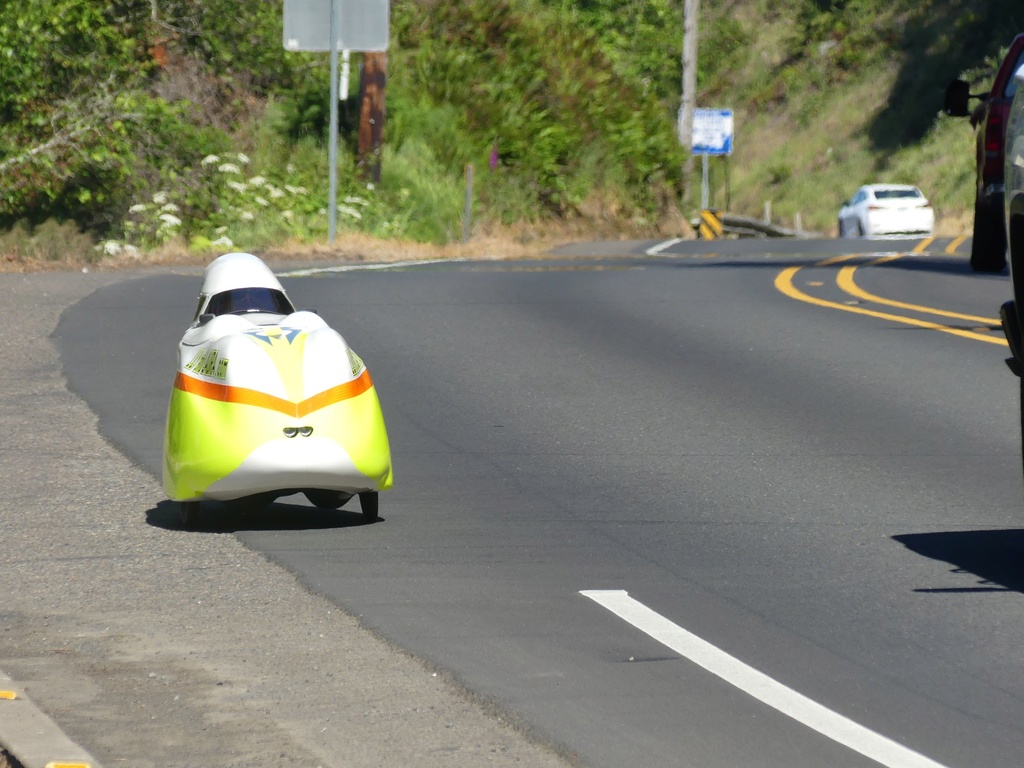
column 243, row 396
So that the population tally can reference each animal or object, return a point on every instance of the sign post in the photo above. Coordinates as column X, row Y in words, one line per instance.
column 712, row 135
column 332, row 151
column 353, row 25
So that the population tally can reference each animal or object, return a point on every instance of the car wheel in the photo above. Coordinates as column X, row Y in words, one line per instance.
column 327, row 499
column 842, row 230
column 988, row 244
column 191, row 515
column 368, row 504
column 860, row 229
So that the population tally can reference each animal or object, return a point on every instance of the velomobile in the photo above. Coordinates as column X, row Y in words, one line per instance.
column 269, row 401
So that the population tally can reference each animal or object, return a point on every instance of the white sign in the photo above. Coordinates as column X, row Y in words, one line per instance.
column 712, row 131
column 362, row 25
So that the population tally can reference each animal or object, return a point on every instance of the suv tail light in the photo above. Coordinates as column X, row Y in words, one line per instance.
column 993, row 134
column 994, row 129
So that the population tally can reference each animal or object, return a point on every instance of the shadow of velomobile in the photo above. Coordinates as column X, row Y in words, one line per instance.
column 278, row 516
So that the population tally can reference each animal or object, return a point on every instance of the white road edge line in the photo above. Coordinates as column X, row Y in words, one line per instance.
column 763, row 688
column 654, row 250
column 356, row 267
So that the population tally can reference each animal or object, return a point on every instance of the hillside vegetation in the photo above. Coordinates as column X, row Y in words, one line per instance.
column 134, row 125
column 833, row 95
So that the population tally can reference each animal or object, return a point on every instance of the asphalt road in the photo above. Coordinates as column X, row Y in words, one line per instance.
column 791, row 461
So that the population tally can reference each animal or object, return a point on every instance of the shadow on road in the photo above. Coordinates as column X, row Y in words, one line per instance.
column 913, row 263
column 279, row 516
column 767, row 253
column 947, row 265
column 996, row 558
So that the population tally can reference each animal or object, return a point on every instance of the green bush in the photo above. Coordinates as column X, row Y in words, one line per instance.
column 503, row 65
column 106, row 111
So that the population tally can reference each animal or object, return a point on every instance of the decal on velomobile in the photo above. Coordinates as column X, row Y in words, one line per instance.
column 268, row 401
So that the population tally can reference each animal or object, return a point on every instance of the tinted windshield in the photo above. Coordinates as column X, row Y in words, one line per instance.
column 250, row 300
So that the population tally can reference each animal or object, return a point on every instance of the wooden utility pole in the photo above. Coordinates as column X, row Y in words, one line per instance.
column 688, row 102
column 371, row 113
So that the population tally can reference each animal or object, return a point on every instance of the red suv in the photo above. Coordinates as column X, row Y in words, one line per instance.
column 988, row 245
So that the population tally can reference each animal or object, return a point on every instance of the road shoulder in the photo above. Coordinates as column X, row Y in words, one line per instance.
column 151, row 646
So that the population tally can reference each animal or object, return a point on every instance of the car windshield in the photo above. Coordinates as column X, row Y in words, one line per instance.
column 894, row 194
column 250, row 300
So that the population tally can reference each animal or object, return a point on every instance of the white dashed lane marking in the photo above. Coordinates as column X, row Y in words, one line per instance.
column 757, row 684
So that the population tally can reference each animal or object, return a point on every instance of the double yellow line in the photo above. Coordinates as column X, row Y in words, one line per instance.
column 949, row 250
column 784, row 283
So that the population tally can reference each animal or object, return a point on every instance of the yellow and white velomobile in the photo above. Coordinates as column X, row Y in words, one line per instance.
column 268, row 402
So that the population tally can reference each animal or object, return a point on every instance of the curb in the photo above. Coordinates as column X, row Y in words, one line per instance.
column 32, row 738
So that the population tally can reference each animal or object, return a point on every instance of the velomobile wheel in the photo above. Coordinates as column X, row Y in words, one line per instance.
column 191, row 515
column 368, row 503
column 327, row 499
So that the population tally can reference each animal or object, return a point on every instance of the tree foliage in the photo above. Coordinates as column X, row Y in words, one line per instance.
column 103, row 103
column 539, row 85
column 79, row 126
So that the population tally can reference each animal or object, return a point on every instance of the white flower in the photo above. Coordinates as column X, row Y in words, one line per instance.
column 170, row 208
column 160, row 198
column 138, row 208
column 169, row 220
column 132, row 251
column 275, row 193
column 261, row 201
column 350, row 211
column 238, row 186
column 370, row 186
column 290, row 168
column 257, row 181
column 243, row 159
column 223, row 242
column 210, row 160
column 355, row 200
column 221, row 230
column 295, row 190
column 247, row 216
column 289, row 215
column 229, row 168
column 111, row 248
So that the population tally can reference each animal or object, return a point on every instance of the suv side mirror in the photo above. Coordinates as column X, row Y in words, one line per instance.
column 958, row 93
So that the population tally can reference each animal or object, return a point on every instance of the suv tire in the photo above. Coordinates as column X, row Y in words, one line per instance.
column 988, row 244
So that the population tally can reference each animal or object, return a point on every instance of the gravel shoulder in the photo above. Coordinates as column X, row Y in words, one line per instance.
column 157, row 647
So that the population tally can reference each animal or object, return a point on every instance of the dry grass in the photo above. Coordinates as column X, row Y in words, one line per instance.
column 349, row 248
column 364, row 248
column 523, row 241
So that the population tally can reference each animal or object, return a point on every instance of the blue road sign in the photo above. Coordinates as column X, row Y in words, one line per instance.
column 712, row 131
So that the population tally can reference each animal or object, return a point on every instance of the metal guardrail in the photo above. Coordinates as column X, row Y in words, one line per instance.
column 741, row 226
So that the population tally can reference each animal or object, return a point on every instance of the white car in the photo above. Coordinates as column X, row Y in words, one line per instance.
column 887, row 209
